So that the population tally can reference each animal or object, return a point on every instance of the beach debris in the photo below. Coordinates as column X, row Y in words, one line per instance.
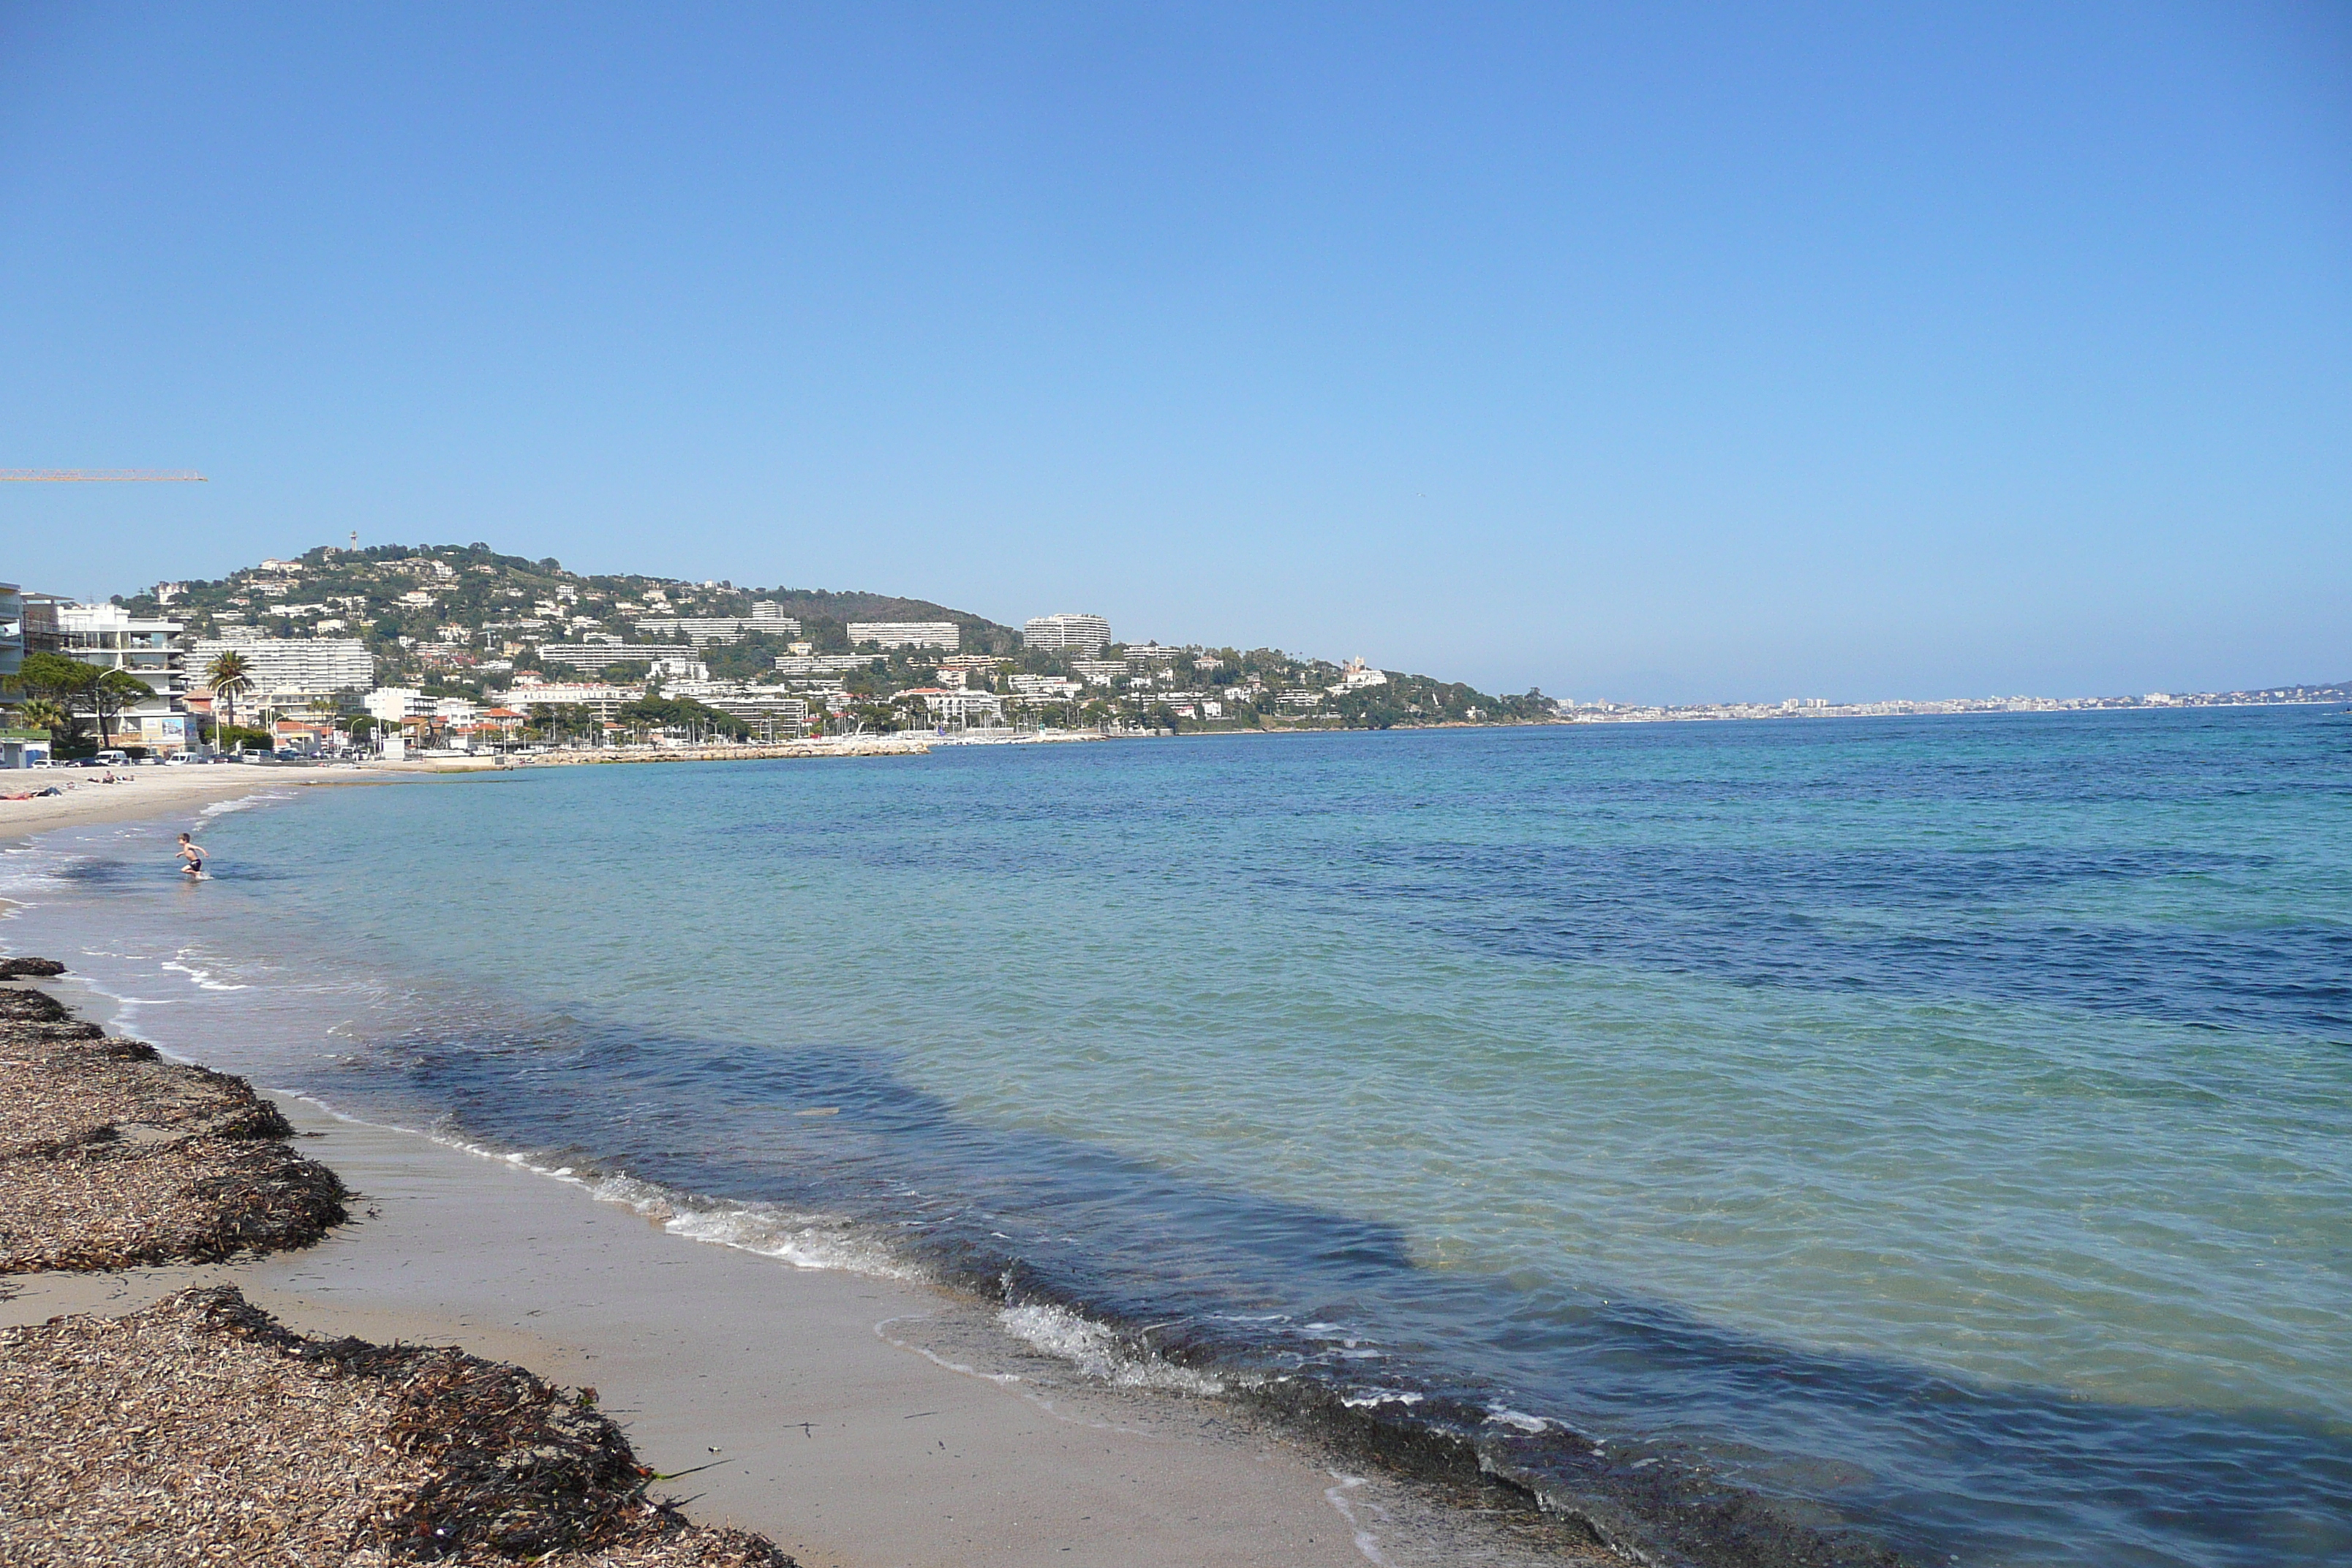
column 111, row 1157
column 200, row 1427
column 30, row 968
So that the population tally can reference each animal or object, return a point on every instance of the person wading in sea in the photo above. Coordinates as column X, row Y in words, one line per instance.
column 193, row 854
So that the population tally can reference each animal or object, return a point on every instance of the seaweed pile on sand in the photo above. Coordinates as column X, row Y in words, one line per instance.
column 111, row 1157
column 201, row 1429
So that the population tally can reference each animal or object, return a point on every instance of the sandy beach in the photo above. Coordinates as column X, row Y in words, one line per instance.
column 856, row 1421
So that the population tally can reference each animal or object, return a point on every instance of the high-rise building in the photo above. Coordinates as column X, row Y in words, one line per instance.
column 1088, row 634
column 288, row 672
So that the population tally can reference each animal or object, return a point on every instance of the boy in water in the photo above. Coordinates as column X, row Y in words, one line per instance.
column 193, row 854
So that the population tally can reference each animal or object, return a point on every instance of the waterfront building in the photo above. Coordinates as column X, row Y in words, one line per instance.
column 288, row 672
column 18, row 748
column 111, row 637
column 905, row 633
column 393, row 704
column 12, row 629
column 1053, row 686
column 1087, row 633
column 601, row 698
column 957, row 709
column 742, row 699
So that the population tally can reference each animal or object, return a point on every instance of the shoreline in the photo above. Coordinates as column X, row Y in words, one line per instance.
column 854, row 1420
column 697, row 1347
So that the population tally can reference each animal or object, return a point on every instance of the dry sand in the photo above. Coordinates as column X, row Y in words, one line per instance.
column 154, row 791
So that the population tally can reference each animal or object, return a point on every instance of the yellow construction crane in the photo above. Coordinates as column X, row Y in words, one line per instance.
column 72, row 476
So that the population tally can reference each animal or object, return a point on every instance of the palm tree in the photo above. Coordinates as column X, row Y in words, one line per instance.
column 229, row 676
column 42, row 713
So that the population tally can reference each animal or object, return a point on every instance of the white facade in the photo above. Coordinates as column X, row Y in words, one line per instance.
column 1098, row 671
column 704, row 630
column 1085, row 632
column 597, row 655
column 905, row 633
column 1050, row 686
column 823, row 663
column 288, row 668
column 111, row 637
column 391, row 704
column 741, row 699
column 957, row 707
column 600, row 696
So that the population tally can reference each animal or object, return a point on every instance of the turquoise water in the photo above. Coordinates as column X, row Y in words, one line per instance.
column 1779, row 1138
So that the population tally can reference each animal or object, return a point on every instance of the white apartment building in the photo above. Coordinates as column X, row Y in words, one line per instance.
column 824, row 663
column 600, row 697
column 287, row 671
column 1356, row 673
column 1098, row 671
column 1086, row 632
column 391, row 704
column 111, row 637
column 1143, row 653
column 957, row 709
column 905, row 633
column 666, row 659
column 597, row 655
column 1047, row 686
column 762, row 705
column 704, row 630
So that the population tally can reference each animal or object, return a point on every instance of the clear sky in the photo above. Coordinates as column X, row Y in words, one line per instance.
column 1633, row 350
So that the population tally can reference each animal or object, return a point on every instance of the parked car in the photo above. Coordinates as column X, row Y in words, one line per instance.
column 111, row 759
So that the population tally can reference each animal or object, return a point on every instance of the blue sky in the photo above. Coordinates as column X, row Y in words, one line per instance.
column 1639, row 352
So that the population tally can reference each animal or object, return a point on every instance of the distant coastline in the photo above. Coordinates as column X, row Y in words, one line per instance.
column 1685, row 712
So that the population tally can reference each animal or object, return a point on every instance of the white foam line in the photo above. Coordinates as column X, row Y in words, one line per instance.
column 1000, row 1379
column 1366, row 1543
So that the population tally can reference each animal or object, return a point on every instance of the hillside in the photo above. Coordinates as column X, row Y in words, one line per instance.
column 403, row 599
column 464, row 620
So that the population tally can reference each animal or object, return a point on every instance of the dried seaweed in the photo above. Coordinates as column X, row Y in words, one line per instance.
column 30, row 968
column 109, row 1157
column 202, row 1428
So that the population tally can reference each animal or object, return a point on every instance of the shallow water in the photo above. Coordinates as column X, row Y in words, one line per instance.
column 1935, row 1127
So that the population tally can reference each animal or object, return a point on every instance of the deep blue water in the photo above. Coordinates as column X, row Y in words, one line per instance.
column 1779, row 1139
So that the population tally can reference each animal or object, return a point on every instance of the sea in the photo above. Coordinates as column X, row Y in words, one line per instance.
column 1924, row 1140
